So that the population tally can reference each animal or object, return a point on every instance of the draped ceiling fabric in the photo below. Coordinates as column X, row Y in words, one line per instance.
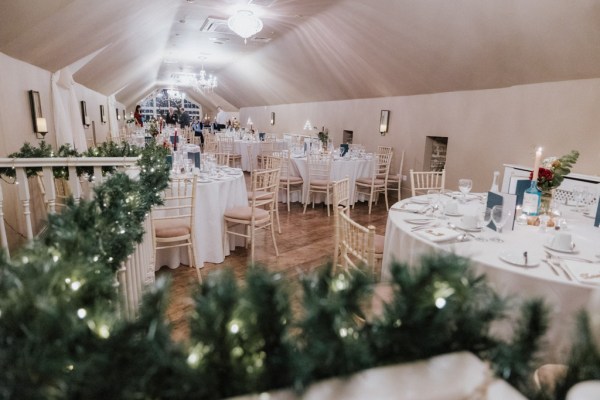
column 67, row 119
column 113, row 124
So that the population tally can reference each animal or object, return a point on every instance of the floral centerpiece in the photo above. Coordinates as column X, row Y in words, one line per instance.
column 551, row 174
column 324, row 136
column 153, row 128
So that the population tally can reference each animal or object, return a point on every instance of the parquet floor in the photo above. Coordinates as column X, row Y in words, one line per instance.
column 305, row 243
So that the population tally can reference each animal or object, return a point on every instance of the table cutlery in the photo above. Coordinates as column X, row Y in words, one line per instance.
column 421, row 227
column 551, row 267
column 571, row 258
column 556, row 263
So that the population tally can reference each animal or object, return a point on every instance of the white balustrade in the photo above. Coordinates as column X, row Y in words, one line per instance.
column 137, row 271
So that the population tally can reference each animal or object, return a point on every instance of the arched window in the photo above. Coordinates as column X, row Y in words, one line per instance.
column 158, row 102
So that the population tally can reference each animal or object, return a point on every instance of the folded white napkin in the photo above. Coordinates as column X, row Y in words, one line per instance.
column 587, row 273
column 438, row 234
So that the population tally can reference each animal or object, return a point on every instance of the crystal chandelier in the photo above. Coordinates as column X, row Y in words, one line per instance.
column 245, row 24
column 200, row 83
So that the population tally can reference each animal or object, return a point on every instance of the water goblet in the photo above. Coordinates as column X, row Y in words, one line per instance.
column 465, row 185
column 500, row 216
column 577, row 196
column 433, row 196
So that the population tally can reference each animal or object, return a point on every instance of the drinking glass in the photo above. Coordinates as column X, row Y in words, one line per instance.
column 485, row 217
column 500, row 216
column 465, row 185
column 577, row 196
column 433, row 196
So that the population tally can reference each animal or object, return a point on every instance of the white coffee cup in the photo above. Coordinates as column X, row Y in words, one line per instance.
column 469, row 221
column 562, row 241
column 451, row 208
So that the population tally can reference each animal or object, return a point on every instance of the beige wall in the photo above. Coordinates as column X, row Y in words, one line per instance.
column 485, row 128
column 16, row 79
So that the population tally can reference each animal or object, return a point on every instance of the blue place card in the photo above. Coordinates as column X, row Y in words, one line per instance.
column 195, row 157
column 261, row 136
column 173, row 139
column 343, row 149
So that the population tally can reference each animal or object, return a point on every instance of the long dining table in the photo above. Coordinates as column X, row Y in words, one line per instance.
column 566, row 288
column 213, row 196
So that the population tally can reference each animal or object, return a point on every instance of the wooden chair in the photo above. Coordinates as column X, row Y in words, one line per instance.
column 287, row 182
column 222, row 158
column 258, row 214
column 377, row 183
column 341, row 201
column 421, row 181
column 319, row 178
column 211, row 145
column 227, row 145
column 173, row 223
column 357, row 243
column 385, row 149
column 396, row 179
column 269, row 162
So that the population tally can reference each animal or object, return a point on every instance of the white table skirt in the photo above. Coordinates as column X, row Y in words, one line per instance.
column 564, row 297
column 340, row 169
column 212, row 199
column 243, row 147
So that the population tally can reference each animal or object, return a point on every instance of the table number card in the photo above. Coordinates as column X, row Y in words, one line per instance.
column 508, row 202
column 522, row 186
column 597, row 220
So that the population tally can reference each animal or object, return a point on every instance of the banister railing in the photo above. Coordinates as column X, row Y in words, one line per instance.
column 138, row 270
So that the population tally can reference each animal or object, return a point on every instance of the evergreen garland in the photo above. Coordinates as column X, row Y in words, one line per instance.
column 61, row 336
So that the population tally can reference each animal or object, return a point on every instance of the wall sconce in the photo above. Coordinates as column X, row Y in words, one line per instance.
column 84, row 116
column 384, row 121
column 102, row 114
column 272, row 118
column 40, row 127
column 118, row 115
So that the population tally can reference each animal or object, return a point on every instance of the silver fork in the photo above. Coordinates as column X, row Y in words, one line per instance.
column 572, row 258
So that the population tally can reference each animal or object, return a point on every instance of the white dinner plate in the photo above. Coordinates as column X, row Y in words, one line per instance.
column 453, row 214
column 572, row 251
column 418, row 221
column 515, row 258
column 420, row 200
column 204, row 181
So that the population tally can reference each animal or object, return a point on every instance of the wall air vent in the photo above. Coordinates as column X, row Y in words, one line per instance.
column 215, row 25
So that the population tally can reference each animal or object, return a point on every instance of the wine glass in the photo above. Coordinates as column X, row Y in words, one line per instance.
column 577, row 196
column 465, row 185
column 500, row 216
column 433, row 196
column 485, row 217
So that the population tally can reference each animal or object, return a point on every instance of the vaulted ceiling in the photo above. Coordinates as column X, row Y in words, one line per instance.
column 308, row 50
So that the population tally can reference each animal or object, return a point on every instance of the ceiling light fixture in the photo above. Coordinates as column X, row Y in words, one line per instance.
column 245, row 24
column 200, row 83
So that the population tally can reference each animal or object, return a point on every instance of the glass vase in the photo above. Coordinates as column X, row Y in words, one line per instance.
column 546, row 201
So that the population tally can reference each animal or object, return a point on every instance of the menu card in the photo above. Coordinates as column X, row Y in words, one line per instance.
column 508, row 202
column 343, row 149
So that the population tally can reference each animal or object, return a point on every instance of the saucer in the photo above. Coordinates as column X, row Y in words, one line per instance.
column 517, row 259
column 462, row 228
column 549, row 247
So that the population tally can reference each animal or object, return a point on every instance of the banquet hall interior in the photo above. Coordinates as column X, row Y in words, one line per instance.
column 493, row 94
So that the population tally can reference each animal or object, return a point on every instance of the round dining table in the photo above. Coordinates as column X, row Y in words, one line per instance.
column 566, row 285
column 213, row 196
column 247, row 147
column 341, row 167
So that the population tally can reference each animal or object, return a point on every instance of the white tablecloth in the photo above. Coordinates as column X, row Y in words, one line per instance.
column 340, row 169
column 565, row 297
column 243, row 147
column 212, row 199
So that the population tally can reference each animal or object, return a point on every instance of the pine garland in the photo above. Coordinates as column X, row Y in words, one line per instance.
column 62, row 338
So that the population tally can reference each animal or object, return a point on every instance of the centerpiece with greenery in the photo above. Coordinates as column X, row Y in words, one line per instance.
column 551, row 174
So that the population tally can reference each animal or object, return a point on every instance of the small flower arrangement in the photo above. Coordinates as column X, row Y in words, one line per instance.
column 553, row 171
column 324, row 136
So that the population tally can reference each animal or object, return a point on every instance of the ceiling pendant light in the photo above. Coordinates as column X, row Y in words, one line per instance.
column 245, row 24
column 206, row 82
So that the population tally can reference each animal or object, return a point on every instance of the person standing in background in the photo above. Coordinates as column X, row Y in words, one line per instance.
column 221, row 118
column 184, row 118
column 197, row 127
column 171, row 118
column 138, row 116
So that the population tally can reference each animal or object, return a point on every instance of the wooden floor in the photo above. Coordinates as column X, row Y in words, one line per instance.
column 305, row 243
